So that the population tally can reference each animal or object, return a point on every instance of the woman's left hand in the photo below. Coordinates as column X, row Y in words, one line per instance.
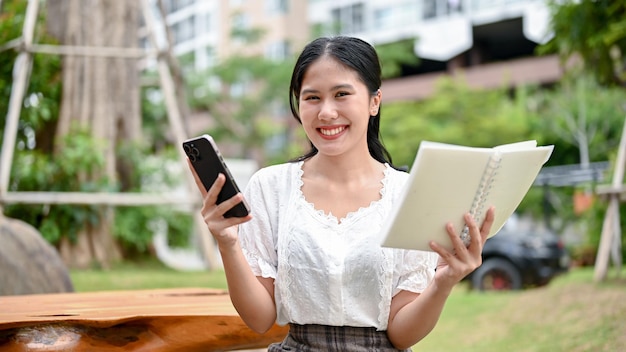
column 455, row 265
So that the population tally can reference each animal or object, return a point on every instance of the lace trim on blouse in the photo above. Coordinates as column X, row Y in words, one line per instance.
column 351, row 216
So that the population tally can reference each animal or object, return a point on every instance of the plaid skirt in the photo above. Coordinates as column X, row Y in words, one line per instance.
column 310, row 338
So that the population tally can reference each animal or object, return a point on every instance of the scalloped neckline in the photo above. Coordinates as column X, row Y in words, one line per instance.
column 329, row 217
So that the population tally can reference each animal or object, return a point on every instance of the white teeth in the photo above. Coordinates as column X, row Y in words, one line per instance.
column 332, row 132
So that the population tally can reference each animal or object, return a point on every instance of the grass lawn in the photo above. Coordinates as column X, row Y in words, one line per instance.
column 143, row 275
column 571, row 314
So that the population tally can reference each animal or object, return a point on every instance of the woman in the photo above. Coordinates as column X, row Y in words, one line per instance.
column 309, row 254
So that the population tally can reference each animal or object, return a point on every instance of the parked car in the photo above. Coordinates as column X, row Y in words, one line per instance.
column 514, row 260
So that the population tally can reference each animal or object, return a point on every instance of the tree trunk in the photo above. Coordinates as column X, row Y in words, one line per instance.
column 100, row 95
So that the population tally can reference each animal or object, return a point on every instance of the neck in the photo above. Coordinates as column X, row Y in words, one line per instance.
column 343, row 168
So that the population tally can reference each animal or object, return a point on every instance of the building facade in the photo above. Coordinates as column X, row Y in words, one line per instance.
column 442, row 29
column 490, row 43
column 202, row 30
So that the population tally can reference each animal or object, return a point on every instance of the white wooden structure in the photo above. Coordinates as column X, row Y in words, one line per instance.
column 610, row 248
column 23, row 65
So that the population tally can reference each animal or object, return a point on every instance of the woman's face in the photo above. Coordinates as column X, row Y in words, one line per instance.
column 335, row 107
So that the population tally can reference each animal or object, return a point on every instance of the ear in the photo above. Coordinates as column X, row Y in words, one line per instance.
column 375, row 103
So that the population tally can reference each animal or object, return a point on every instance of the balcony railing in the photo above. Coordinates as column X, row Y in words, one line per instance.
column 439, row 8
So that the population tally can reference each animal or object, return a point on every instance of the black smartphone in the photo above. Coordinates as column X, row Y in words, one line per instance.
column 207, row 160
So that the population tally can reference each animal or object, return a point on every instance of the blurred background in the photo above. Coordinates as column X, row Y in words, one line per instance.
column 96, row 97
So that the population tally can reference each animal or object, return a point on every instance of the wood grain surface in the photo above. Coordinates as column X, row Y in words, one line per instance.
column 186, row 319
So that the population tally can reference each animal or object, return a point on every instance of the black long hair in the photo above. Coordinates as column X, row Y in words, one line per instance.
column 356, row 54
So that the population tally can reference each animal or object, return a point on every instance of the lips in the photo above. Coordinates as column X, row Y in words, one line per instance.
column 332, row 131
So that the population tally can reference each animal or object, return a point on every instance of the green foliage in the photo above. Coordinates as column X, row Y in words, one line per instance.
column 37, row 171
column 561, row 116
column 81, row 155
column 134, row 226
column 394, row 55
column 594, row 29
column 581, row 116
column 584, row 121
column 155, row 123
column 41, row 103
column 455, row 114
column 246, row 95
column 243, row 34
column 594, row 218
column 247, row 35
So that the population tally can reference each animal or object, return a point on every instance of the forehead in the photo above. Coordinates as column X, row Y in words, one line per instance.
column 330, row 70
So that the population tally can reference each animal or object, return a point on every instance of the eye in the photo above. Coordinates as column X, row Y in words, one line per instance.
column 311, row 97
column 342, row 94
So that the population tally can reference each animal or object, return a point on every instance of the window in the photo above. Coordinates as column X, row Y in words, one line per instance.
column 167, row 5
column 276, row 7
column 240, row 28
column 455, row 6
column 383, row 18
column 437, row 8
column 240, row 21
column 277, row 51
column 204, row 22
column 210, row 55
column 349, row 19
column 175, row 5
column 236, row 3
column 184, row 30
column 430, row 9
column 205, row 57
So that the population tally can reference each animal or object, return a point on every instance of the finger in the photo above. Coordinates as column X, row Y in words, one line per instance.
column 485, row 228
column 444, row 254
column 215, row 189
column 214, row 213
column 455, row 238
column 224, row 223
column 222, row 228
column 228, row 204
column 476, row 239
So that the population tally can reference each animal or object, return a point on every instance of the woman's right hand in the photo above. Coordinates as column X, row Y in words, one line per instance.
column 224, row 230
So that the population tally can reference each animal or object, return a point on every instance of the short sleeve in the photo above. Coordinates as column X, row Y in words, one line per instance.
column 258, row 236
column 414, row 270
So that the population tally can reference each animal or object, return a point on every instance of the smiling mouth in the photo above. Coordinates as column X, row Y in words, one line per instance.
column 332, row 131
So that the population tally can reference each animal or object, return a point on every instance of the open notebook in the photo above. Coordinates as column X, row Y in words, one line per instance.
column 447, row 181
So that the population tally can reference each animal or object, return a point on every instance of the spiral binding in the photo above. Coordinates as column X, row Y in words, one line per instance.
column 480, row 198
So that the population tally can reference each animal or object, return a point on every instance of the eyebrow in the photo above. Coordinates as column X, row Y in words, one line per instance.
column 337, row 87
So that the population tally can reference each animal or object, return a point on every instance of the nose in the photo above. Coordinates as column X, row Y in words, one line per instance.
column 327, row 111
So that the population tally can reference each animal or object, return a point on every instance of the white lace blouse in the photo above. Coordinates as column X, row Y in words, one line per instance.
column 327, row 271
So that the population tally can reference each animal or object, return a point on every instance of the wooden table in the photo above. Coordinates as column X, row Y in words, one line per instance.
column 146, row 320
